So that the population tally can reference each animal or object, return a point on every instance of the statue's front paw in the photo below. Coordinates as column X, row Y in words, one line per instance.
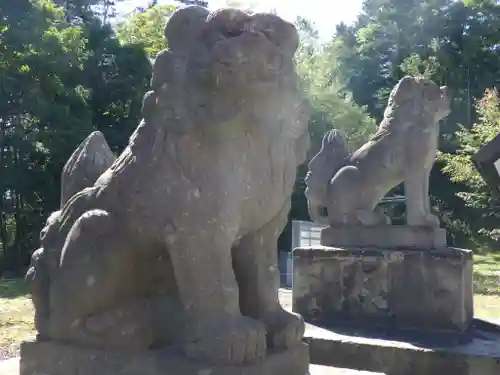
column 229, row 340
column 371, row 218
column 432, row 220
column 428, row 220
column 284, row 329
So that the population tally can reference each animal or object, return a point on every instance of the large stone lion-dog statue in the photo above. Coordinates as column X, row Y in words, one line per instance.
column 344, row 188
column 176, row 242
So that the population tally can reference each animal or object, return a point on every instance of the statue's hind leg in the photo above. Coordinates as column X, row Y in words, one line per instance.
column 256, row 266
column 37, row 278
column 348, row 203
column 97, row 269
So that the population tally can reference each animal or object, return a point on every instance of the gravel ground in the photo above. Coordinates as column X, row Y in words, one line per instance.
column 6, row 354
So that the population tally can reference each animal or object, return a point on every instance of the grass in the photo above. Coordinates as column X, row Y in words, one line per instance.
column 16, row 311
column 487, row 274
column 487, row 285
column 16, row 316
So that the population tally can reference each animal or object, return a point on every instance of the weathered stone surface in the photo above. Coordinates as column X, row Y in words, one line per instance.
column 384, row 236
column 51, row 358
column 350, row 185
column 478, row 352
column 176, row 242
column 415, row 289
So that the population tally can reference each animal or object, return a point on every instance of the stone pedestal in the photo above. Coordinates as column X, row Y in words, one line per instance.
column 384, row 237
column 476, row 353
column 408, row 288
column 51, row 358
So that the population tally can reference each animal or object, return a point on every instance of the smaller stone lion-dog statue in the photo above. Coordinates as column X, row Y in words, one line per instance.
column 344, row 188
column 175, row 243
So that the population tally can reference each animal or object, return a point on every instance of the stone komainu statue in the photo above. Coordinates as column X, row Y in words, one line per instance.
column 175, row 241
column 344, row 188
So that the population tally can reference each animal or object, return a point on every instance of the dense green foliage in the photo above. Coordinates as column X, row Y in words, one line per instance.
column 62, row 75
column 452, row 42
column 483, row 217
column 145, row 28
column 65, row 71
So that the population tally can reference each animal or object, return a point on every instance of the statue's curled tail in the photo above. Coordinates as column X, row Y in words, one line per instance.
column 334, row 155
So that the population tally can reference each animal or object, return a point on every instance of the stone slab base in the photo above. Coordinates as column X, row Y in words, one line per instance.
column 412, row 289
column 384, row 236
column 326, row 370
column 51, row 358
column 480, row 355
column 11, row 367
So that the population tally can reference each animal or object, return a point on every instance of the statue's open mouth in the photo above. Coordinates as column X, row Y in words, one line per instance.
column 264, row 42
column 275, row 30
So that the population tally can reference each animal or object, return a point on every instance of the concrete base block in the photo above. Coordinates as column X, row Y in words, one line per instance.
column 326, row 370
column 51, row 358
column 384, row 236
column 409, row 289
column 11, row 367
column 479, row 354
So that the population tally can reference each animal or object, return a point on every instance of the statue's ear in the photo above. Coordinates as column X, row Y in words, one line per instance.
column 433, row 92
column 283, row 34
column 184, row 27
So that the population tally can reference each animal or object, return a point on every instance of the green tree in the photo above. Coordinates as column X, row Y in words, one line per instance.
column 145, row 28
column 453, row 43
column 331, row 100
column 60, row 78
column 482, row 214
column 332, row 104
column 117, row 76
column 85, row 10
column 371, row 51
column 42, row 111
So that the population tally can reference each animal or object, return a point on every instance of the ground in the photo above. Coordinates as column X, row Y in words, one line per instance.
column 16, row 316
column 16, row 311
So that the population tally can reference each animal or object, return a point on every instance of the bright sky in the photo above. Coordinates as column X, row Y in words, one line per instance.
column 325, row 14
